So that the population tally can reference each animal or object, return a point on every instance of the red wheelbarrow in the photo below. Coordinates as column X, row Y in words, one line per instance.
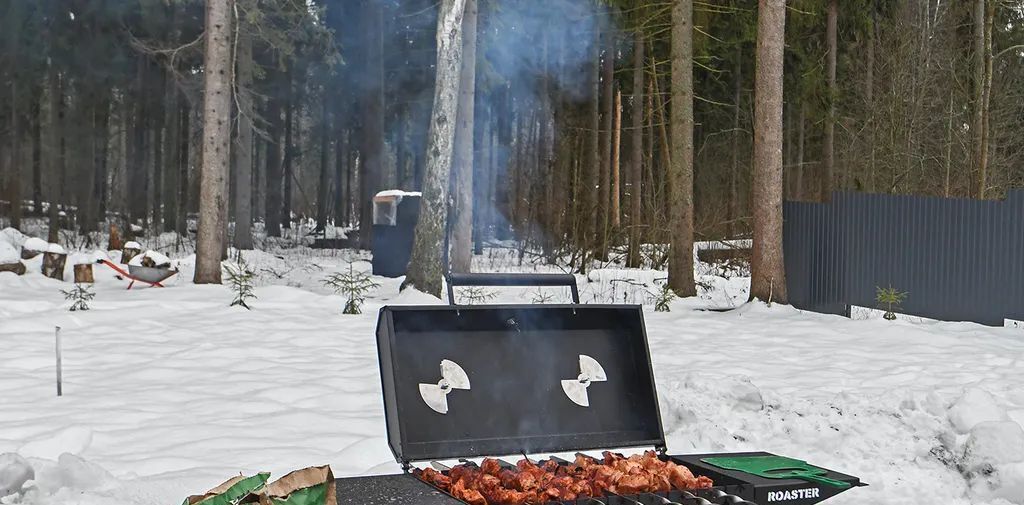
column 147, row 275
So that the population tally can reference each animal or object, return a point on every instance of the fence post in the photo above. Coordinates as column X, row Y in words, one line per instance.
column 59, row 364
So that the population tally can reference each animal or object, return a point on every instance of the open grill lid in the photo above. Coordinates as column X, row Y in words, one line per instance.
column 462, row 381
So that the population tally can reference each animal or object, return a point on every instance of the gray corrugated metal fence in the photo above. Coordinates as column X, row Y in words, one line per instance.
column 959, row 259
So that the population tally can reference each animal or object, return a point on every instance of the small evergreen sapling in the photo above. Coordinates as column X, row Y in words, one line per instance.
column 240, row 280
column 353, row 285
column 540, row 296
column 663, row 299
column 891, row 298
column 80, row 296
column 475, row 295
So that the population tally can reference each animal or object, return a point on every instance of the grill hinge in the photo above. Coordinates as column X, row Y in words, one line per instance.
column 406, row 467
column 661, row 450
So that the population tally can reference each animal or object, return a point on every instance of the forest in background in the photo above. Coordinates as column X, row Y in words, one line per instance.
column 101, row 111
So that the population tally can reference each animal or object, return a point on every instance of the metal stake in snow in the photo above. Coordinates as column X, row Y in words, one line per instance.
column 59, row 366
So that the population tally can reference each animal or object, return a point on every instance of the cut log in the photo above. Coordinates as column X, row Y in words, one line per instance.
column 17, row 268
column 83, row 273
column 128, row 253
column 33, row 247
column 114, row 240
column 53, row 265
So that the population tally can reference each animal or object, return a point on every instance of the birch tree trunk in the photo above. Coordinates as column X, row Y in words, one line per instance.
column 767, row 270
column 680, row 261
column 243, row 143
column 462, row 234
column 213, row 198
column 425, row 269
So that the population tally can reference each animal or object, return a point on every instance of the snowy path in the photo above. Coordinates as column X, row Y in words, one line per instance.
column 171, row 392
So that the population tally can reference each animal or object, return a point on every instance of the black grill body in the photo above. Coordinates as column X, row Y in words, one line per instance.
column 515, row 358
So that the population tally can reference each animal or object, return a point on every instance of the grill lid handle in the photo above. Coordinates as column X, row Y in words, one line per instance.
column 456, row 279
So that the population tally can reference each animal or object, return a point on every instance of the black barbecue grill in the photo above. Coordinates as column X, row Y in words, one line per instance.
column 465, row 381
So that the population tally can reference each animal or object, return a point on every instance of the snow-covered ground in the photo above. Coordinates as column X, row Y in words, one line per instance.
column 168, row 392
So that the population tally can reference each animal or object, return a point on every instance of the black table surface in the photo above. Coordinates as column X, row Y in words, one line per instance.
column 399, row 489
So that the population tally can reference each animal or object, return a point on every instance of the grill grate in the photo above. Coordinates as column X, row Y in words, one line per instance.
column 713, row 496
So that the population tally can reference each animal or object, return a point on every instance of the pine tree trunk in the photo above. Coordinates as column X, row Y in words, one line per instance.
column 869, row 93
column 616, row 189
column 550, row 240
column 173, row 171
column 983, row 176
column 289, row 153
column 371, row 145
column 136, row 168
column 462, row 232
column 949, row 147
column 637, row 149
column 325, row 155
column 184, row 140
column 481, row 179
column 800, row 144
column 425, row 267
column 213, row 200
column 243, row 141
column 342, row 178
column 605, row 143
column 591, row 170
column 54, row 159
column 89, row 159
column 37, row 156
column 680, row 262
column 156, row 122
column 14, row 165
column 14, row 13
column 977, row 127
column 274, row 182
column 767, row 270
column 828, row 176
column 733, row 214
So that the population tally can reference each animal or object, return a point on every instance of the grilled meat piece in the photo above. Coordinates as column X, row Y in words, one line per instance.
column 434, row 477
column 532, row 484
column 490, row 466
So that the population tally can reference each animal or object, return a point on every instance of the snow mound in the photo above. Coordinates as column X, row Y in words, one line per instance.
column 993, row 443
column 1004, row 482
column 35, row 244
column 15, row 471
column 74, row 440
column 974, row 407
column 71, row 472
column 12, row 236
column 8, row 254
column 99, row 255
column 158, row 259
column 133, row 245
column 55, row 249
